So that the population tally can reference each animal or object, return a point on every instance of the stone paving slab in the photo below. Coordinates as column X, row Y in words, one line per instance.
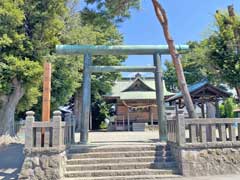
column 220, row 177
column 11, row 160
column 121, row 137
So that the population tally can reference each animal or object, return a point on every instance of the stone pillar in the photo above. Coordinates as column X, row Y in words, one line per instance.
column 57, row 129
column 180, row 129
column 29, row 130
column 86, row 100
column 160, row 98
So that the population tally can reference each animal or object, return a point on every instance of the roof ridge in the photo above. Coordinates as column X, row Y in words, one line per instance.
column 134, row 81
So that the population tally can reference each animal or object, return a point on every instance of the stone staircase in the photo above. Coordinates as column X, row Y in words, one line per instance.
column 121, row 161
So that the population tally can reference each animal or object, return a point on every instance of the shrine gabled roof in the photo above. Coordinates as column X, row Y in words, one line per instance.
column 141, row 85
column 197, row 87
column 124, row 89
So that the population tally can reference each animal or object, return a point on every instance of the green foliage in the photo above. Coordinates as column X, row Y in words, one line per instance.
column 113, row 10
column 43, row 24
column 227, row 108
column 65, row 79
column 29, row 30
column 216, row 57
column 67, row 70
column 105, row 33
column 222, row 49
column 103, row 125
column 170, row 77
column 195, row 66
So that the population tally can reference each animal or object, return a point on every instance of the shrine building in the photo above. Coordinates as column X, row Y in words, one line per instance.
column 135, row 102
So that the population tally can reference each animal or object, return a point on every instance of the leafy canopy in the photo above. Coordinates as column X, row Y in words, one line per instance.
column 223, row 51
column 29, row 30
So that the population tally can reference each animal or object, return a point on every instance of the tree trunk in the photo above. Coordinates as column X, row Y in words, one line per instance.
column 231, row 14
column 238, row 92
column 8, row 107
column 162, row 17
column 77, row 108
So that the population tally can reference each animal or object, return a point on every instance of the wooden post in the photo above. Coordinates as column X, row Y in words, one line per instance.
column 46, row 92
column 123, row 123
column 217, row 109
column 128, row 121
column 160, row 98
column 86, row 100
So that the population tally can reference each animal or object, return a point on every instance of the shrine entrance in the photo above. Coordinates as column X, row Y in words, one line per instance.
column 88, row 51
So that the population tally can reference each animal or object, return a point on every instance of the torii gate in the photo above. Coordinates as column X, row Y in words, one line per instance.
column 89, row 50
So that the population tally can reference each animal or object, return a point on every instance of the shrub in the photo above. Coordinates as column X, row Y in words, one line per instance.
column 226, row 109
column 103, row 125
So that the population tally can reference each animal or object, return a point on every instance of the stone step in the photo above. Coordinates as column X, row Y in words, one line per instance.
column 116, row 148
column 118, row 154
column 137, row 177
column 121, row 166
column 128, row 172
column 119, row 160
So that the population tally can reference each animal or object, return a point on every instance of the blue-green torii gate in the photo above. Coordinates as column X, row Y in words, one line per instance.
column 89, row 50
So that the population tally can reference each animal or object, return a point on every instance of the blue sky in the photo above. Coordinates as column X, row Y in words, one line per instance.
column 189, row 20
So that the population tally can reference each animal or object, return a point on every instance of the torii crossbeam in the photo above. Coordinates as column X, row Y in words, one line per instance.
column 89, row 50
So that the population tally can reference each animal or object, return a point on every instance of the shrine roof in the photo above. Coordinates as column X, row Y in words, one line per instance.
column 124, row 89
column 196, row 90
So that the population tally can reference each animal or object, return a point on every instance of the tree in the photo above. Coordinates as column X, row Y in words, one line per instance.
column 116, row 11
column 104, row 20
column 223, row 48
column 227, row 108
column 162, row 17
column 195, row 65
column 170, row 77
column 29, row 30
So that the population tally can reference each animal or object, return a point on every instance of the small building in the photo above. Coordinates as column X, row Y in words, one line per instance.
column 135, row 101
column 206, row 98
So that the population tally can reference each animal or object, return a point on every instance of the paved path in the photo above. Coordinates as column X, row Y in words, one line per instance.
column 223, row 177
column 121, row 137
column 11, row 160
column 11, row 157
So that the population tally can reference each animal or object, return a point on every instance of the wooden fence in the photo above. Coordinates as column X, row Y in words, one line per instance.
column 207, row 131
column 54, row 134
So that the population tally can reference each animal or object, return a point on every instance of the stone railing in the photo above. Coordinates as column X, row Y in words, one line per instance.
column 50, row 135
column 172, row 128
column 207, row 146
column 173, row 125
column 209, row 132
